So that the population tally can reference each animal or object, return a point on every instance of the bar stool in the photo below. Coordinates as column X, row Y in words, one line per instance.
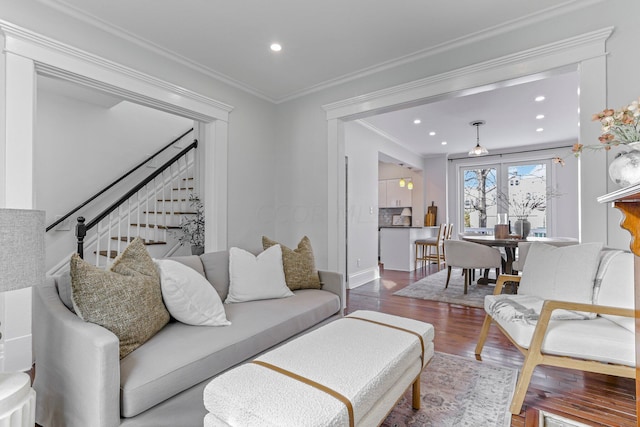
column 424, row 248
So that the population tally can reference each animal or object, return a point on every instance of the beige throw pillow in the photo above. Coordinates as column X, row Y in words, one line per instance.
column 126, row 299
column 299, row 264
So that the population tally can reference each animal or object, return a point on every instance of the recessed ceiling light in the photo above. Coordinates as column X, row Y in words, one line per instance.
column 417, row 121
column 540, row 116
column 540, row 98
column 539, row 130
column 276, row 47
column 432, row 133
column 444, row 143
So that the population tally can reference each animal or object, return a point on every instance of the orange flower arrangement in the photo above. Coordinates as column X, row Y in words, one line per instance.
column 619, row 127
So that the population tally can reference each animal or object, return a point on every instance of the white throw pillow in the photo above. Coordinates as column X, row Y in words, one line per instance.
column 561, row 273
column 256, row 277
column 188, row 295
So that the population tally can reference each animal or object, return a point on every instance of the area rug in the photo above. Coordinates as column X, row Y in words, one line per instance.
column 432, row 288
column 458, row 391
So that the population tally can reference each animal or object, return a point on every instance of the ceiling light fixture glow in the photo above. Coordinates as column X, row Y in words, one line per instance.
column 444, row 143
column 276, row 47
column 539, row 130
column 540, row 116
column 432, row 133
column 478, row 150
column 417, row 121
column 540, row 98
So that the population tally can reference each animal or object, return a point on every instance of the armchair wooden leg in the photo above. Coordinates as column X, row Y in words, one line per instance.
column 446, row 285
column 484, row 332
column 530, row 363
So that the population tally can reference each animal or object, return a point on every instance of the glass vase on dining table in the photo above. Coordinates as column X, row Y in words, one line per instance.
column 501, row 229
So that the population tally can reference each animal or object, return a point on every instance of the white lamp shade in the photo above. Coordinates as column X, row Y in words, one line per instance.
column 22, row 258
column 405, row 212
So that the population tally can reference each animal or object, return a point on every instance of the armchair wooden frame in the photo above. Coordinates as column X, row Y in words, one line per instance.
column 534, row 355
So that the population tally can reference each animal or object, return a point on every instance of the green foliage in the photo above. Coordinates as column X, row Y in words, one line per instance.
column 192, row 226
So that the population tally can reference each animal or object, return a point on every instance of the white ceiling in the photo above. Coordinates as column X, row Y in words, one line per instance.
column 332, row 41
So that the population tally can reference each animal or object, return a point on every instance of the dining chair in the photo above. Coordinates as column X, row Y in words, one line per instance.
column 470, row 256
column 424, row 248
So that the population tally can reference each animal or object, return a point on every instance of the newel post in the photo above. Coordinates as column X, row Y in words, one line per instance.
column 81, row 231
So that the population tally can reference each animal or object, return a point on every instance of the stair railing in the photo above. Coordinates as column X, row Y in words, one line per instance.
column 117, row 181
column 148, row 210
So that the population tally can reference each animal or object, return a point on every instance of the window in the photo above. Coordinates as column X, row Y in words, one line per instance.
column 479, row 198
column 520, row 189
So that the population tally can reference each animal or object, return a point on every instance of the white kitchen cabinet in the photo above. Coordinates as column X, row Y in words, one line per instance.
column 382, row 194
column 397, row 197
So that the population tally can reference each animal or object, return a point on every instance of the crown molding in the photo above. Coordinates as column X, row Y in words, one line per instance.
column 60, row 60
column 92, row 20
column 555, row 55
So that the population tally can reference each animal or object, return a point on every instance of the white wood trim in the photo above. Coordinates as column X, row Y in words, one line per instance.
column 586, row 51
column 363, row 276
column 61, row 60
column 520, row 64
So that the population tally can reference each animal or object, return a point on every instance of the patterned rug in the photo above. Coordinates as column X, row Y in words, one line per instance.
column 458, row 391
column 432, row 288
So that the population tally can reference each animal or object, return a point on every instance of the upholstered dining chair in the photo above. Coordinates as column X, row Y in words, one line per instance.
column 425, row 247
column 469, row 256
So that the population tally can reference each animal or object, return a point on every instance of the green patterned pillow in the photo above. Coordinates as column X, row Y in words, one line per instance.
column 126, row 299
column 299, row 264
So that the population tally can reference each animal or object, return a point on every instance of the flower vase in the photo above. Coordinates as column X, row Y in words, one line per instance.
column 624, row 170
column 522, row 227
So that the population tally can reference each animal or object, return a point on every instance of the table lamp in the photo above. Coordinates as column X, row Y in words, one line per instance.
column 22, row 265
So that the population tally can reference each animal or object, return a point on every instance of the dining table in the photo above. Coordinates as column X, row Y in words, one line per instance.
column 510, row 244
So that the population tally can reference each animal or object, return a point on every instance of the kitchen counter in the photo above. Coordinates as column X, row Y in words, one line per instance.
column 397, row 248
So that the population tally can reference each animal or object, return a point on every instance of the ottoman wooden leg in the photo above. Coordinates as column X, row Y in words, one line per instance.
column 416, row 393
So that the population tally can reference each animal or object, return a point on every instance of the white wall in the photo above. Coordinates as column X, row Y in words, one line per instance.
column 362, row 147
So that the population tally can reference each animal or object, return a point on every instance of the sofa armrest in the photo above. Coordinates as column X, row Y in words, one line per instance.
column 77, row 379
column 502, row 279
column 334, row 282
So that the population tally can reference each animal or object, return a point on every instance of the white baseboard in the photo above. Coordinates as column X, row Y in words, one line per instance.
column 363, row 276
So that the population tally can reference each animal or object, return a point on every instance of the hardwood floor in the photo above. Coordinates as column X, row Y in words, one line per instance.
column 593, row 399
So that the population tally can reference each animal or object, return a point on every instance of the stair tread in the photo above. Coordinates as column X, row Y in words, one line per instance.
column 168, row 227
column 171, row 213
column 145, row 241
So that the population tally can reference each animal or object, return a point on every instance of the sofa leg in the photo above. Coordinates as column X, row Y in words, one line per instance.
column 484, row 332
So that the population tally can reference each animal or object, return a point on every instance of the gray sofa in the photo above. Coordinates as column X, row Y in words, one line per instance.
column 80, row 380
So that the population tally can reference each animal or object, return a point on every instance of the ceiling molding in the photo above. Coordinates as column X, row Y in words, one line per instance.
column 60, row 60
column 94, row 21
column 560, row 9
column 558, row 54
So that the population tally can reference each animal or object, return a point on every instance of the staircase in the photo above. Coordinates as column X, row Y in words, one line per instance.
column 153, row 210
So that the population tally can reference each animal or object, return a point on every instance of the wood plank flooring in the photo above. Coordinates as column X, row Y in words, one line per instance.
column 593, row 399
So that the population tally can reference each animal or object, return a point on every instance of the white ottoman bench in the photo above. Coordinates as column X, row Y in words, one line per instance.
column 350, row 372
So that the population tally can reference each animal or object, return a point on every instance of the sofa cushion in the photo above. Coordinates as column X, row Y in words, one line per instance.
column 254, row 277
column 188, row 295
column 616, row 286
column 126, row 299
column 192, row 261
column 216, row 269
column 575, row 338
column 561, row 273
column 299, row 264
column 180, row 356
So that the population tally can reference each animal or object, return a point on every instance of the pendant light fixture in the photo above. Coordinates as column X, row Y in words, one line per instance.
column 402, row 182
column 410, row 185
column 478, row 150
